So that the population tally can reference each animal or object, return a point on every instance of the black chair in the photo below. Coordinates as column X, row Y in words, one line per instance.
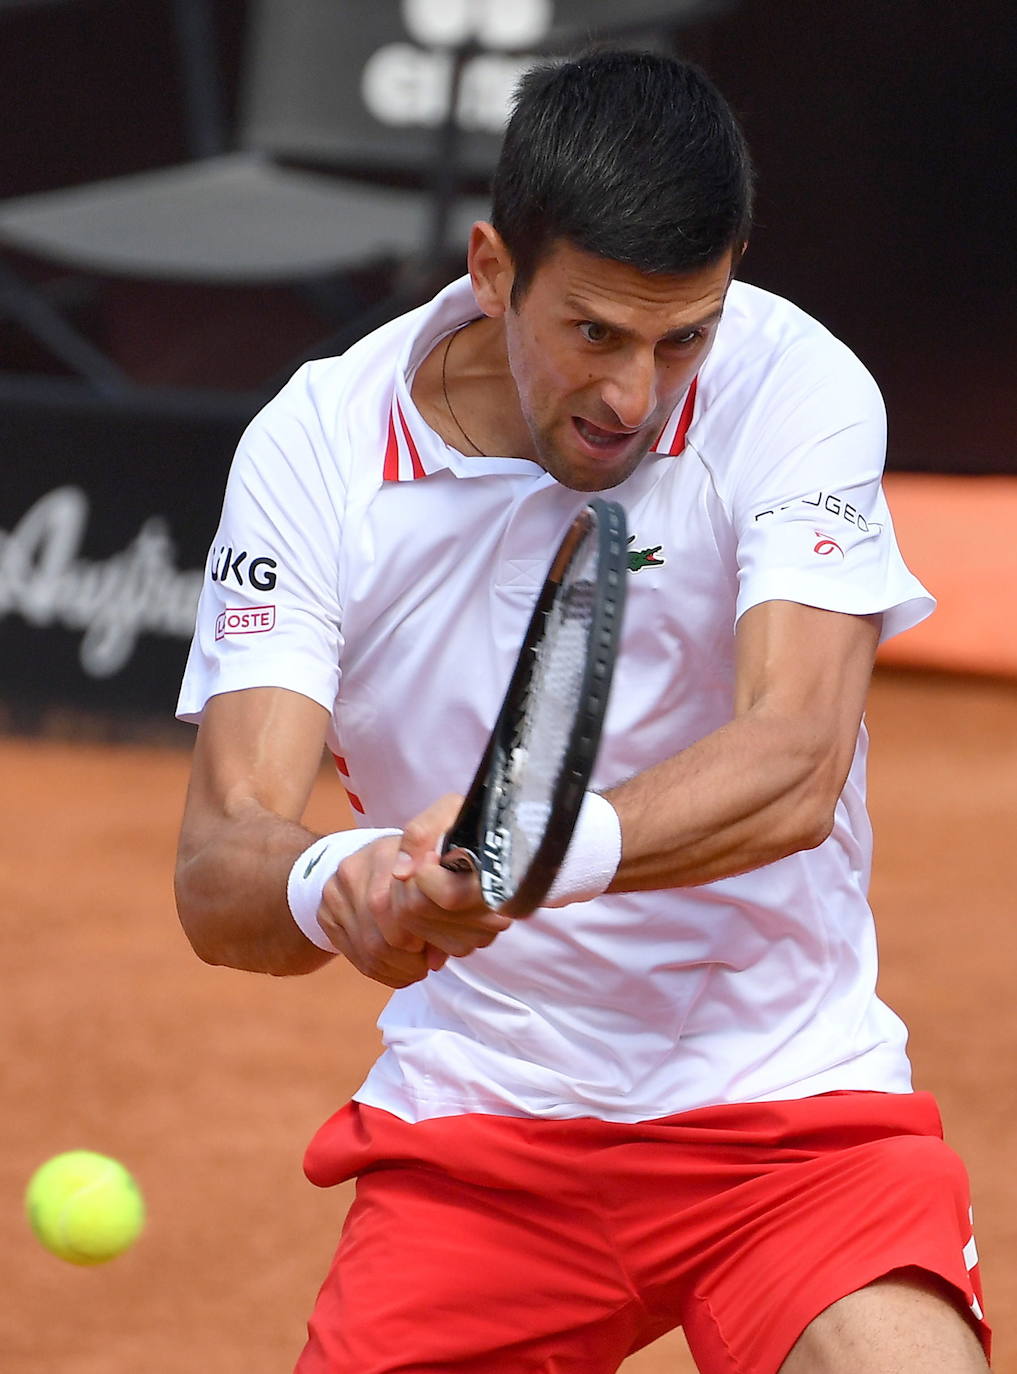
column 367, row 132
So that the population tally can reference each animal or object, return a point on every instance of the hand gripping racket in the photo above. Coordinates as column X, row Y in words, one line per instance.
column 519, row 814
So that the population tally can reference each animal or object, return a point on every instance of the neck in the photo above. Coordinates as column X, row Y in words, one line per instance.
column 476, row 396
column 448, row 400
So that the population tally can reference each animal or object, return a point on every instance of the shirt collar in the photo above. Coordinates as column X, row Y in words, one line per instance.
column 413, row 450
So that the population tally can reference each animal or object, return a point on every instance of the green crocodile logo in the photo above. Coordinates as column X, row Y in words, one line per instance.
column 644, row 558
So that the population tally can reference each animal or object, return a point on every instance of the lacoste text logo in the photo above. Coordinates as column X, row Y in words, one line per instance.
column 311, row 862
column 244, row 620
column 644, row 558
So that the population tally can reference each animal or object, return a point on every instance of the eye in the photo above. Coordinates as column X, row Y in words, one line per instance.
column 684, row 340
column 593, row 332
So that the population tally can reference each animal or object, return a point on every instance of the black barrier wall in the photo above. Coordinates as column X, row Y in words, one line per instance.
column 105, row 521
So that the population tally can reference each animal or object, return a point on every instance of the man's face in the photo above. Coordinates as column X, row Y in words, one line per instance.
column 600, row 353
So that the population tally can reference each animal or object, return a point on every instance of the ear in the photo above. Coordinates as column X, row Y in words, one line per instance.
column 491, row 270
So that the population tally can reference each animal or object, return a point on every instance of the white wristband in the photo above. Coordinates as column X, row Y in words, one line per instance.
column 593, row 855
column 311, row 872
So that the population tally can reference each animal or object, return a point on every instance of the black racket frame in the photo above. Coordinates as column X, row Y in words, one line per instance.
column 474, row 841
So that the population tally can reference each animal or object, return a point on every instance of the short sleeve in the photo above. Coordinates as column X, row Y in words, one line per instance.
column 269, row 612
column 811, row 521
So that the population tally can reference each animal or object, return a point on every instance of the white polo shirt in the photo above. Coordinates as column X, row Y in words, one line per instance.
column 357, row 548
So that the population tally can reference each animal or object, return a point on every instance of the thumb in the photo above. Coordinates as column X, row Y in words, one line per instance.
column 423, row 835
column 404, row 866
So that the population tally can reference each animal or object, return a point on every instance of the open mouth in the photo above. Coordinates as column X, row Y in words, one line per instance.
column 606, row 443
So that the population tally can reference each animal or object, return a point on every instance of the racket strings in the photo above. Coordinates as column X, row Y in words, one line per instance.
column 539, row 748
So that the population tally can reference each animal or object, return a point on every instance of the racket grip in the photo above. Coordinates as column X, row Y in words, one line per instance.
column 456, row 858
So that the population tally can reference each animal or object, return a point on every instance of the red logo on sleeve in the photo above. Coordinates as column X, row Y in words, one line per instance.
column 826, row 545
column 244, row 620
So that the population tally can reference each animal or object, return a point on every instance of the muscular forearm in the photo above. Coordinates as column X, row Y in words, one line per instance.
column 754, row 791
column 766, row 784
column 231, row 894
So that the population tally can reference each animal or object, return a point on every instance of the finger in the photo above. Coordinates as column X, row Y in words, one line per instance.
column 377, row 960
column 423, row 834
column 455, row 891
column 457, row 944
column 384, row 906
column 462, row 919
column 370, row 913
column 451, row 938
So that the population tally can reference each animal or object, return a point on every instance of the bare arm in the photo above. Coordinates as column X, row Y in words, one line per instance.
column 255, row 761
column 765, row 785
column 760, row 788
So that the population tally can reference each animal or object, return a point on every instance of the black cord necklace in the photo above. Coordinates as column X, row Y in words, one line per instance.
column 444, row 390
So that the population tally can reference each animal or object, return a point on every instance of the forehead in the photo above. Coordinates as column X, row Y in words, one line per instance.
column 575, row 282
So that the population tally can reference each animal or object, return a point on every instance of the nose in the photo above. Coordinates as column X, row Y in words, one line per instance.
column 630, row 388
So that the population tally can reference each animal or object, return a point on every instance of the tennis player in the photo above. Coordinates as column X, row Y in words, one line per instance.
column 670, row 1097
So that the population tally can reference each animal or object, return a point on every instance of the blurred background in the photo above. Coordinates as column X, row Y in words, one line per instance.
column 195, row 197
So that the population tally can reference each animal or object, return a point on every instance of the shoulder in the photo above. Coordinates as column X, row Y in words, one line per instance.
column 336, row 413
column 767, row 347
column 777, row 382
column 311, row 420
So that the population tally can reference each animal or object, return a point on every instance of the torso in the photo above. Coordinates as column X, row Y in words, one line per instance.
column 630, row 1006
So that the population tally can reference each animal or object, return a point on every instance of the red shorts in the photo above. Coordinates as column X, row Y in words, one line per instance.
column 500, row 1245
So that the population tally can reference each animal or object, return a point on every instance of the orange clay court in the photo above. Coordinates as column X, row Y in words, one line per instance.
column 208, row 1082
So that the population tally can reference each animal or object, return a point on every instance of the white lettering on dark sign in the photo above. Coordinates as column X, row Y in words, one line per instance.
column 407, row 84
column 111, row 602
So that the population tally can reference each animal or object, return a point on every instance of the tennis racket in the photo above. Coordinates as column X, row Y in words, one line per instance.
column 518, row 817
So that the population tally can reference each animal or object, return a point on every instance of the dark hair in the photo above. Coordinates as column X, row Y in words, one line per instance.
column 633, row 156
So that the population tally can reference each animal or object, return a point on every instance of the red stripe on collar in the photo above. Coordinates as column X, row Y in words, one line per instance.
column 417, row 465
column 402, row 457
column 390, row 472
column 677, row 444
column 685, row 420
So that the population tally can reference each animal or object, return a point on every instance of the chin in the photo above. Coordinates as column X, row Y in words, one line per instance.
column 593, row 482
column 580, row 474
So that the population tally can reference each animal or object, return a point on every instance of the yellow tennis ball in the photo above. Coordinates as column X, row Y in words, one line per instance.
column 84, row 1207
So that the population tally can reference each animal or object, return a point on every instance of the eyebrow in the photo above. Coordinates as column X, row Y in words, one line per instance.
column 580, row 308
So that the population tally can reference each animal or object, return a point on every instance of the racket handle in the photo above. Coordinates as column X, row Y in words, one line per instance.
column 456, row 858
